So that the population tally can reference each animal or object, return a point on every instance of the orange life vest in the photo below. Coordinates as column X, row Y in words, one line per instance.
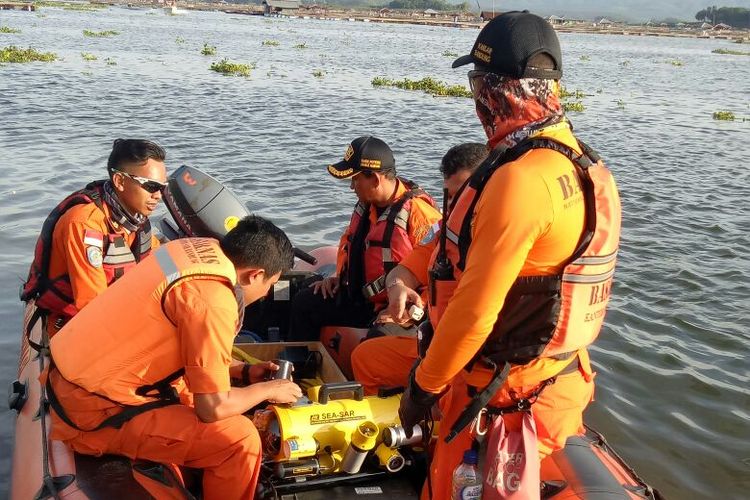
column 55, row 295
column 374, row 251
column 124, row 347
column 543, row 316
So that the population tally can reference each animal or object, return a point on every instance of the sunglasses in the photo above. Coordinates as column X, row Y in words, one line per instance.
column 473, row 75
column 149, row 185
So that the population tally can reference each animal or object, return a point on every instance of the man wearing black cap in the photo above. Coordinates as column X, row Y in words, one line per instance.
column 520, row 284
column 391, row 216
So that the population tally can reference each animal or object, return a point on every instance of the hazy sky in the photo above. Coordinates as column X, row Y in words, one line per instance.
column 636, row 10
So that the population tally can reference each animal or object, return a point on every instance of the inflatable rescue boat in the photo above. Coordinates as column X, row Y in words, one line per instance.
column 304, row 458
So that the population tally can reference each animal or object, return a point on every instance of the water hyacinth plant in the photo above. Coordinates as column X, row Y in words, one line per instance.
column 730, row 52
column 724, row 115
column 575, row 106
column 110, row 62
column 448, row 53
column 87, row 56
column 226, row 67
column 318, row 73
column 428, row 85
column 179, row 39
column 208, row 50
column 271, row 43
column 302, row 45
column 100, row 34
column 565, row 93
column 9, row 30
column 676, row 62
column 15, row 54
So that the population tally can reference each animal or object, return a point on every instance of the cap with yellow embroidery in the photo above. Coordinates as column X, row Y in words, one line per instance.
column 508, row 42
column 364, row 153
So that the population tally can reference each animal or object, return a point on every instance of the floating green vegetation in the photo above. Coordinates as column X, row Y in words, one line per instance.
column 448, row 53
column 576, row 106
column 179, row 39
column 227, row 67
column 13, row 54
column 100, row 34
column 565, row 93
column 319, row 73
column 730, row 52
column 585, row 58
column 428, row 85
column 676, row 62
column 110, row 62
column 8, row 29
column 302, row 45
column 599, row 91
column 625, row 63
column 620, row 104
column 724, row 115
column 271, row 43
column 87, row 56
column 208, row 50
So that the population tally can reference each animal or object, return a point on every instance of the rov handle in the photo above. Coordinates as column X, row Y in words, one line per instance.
column 327, row 390
column 304, row 256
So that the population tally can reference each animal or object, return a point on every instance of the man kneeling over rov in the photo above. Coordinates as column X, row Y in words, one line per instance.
column 118, row 363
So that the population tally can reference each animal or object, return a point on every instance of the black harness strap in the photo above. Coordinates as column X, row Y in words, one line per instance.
column 165, row 393
column 499, row 158
column 479, row 401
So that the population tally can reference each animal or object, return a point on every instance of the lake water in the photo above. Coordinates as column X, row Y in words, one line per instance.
column 673, row 391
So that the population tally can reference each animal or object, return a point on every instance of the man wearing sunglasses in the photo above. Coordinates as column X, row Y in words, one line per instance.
column 96, row 234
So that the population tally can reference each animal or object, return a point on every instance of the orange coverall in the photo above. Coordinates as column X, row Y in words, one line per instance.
column 229, row 451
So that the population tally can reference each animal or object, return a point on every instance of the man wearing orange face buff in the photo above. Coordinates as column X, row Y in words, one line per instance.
column 519, row 281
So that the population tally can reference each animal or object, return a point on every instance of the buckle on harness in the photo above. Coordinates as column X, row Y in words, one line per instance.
column 374, row 287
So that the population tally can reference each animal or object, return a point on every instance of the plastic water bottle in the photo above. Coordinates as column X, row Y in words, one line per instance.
column 467, row 483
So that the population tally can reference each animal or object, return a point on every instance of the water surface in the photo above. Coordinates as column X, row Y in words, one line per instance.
column 672, row 361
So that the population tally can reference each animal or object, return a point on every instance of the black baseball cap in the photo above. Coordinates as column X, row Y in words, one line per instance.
column 508, row 42
column 364, row 153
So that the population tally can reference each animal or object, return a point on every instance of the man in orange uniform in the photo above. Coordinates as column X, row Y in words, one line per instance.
column 520, row 281
column 96, row 234
column 111, row 383
column 387, row 362
column 390, row 218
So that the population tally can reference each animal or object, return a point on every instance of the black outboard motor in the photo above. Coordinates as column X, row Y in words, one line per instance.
column 202, row 207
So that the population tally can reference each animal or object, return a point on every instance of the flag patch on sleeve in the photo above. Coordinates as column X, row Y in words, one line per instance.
column 93, row 238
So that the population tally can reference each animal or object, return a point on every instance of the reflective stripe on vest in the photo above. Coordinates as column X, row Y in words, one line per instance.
column 544, row 316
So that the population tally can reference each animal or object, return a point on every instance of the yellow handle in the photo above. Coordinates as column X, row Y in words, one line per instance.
column 238, row 353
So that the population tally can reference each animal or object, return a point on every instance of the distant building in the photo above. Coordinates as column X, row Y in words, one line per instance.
column 556, row 20
column 431, row 12
column 706, row 26
column 286, row 7
column 488, row 14
column 605, row 22
column 721, row 26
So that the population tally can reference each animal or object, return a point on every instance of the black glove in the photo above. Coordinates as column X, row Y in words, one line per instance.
column 415, row 404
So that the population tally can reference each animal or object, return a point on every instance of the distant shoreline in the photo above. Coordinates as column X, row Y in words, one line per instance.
column 452, row 19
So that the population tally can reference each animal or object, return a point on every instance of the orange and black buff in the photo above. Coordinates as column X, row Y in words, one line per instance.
column 511, row 109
